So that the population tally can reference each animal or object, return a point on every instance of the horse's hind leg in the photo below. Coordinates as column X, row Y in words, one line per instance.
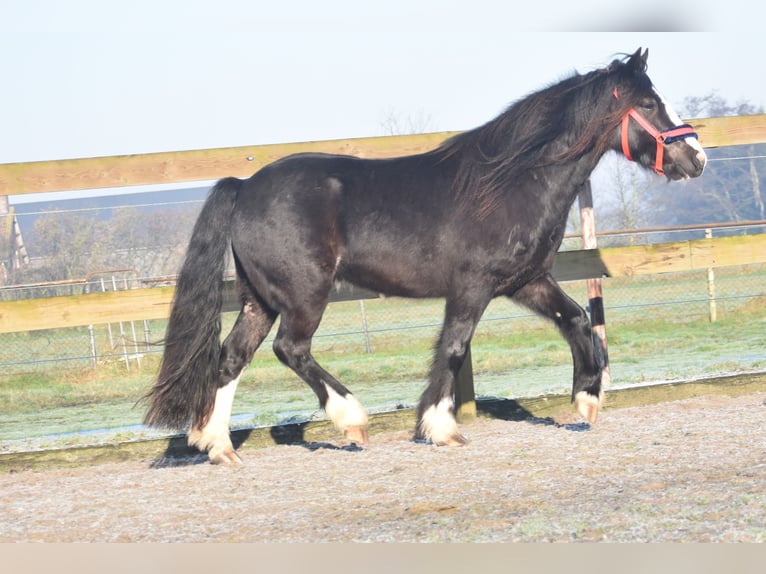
column 252, row 325
column 292, row 346
column 545, row 297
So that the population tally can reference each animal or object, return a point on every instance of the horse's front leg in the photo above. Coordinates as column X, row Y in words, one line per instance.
column 546, row 298
column 436, row 410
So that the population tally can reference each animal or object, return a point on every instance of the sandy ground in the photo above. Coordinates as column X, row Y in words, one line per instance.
column 692, row 470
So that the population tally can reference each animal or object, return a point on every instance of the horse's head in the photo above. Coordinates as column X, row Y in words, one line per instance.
column 650, row 132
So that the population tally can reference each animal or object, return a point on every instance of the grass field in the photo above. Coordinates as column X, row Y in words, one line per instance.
column 652, row 337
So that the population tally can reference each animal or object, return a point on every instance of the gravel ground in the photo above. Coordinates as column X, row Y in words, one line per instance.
column 691, row 470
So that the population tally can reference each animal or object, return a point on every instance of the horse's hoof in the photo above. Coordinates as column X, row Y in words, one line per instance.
column 455, row 439
column 228, row 456
column 357, row 434
column 588, row 406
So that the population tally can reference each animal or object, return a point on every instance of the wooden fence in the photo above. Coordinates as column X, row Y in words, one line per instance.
column 211, row 164
column 154, row 303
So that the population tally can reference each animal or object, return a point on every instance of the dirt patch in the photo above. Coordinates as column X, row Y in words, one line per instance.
column 691, row 470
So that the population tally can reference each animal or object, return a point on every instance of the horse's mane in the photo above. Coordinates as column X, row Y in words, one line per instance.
column 557, row 124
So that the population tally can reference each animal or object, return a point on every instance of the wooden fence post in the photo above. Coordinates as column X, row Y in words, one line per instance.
column 465, row 397
column 595, row 293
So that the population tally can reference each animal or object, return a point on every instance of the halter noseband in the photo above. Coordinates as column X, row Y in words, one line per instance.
column 668, row 136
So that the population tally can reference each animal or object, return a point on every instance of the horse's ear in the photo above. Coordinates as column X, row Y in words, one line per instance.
column 637, row 61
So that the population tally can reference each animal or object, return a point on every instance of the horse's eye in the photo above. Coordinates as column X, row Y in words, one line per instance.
column 649, row 103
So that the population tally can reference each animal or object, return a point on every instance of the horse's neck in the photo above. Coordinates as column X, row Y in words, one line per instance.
column 562, row 182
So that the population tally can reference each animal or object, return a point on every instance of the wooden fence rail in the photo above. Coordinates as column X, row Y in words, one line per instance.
column 212, row 164
column 154, row 303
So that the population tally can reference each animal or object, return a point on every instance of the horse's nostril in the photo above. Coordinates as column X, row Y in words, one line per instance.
column 700, row 159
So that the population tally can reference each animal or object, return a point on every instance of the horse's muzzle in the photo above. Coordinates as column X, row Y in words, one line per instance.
column 684, row 161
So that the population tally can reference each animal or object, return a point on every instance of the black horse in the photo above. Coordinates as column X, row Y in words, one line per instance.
column 479, row 217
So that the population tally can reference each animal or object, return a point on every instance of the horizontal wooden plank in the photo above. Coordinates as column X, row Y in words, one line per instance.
column 188, row 166
column 77, row 310
column 734, row 130
column 660, row 258
column 647, row 259
column 114, row 306
column 580, row 264
column 137, row 304
column 725, row 251
column 622, row 261
column 212, row 164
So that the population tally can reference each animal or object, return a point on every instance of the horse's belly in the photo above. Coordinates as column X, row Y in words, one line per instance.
column 395, row 277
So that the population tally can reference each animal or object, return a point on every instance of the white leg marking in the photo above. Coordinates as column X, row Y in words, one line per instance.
column 344, row 412
column 438, row 423
column 214, row 437
column 588, row 405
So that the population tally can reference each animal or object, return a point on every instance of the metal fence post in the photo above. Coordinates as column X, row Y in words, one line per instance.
column 93, row 356
column 147, row 336
column 713, row 311
column 367, row 348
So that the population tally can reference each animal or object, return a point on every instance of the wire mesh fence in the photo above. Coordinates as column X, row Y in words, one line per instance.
column 70, row 386
column 390, row 325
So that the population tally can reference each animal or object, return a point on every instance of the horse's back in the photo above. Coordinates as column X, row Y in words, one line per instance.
column 378, row 223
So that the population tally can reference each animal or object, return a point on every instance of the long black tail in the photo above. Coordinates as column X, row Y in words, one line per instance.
column 184, row 392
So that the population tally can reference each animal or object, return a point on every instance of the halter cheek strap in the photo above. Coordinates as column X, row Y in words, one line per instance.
column 668, row 136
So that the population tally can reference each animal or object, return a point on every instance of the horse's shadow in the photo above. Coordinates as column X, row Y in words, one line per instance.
column 548, row 421
column 313, row 446
column 179, row 453
column 511, row 410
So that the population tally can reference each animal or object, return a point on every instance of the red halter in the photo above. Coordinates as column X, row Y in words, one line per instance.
column 667, row 136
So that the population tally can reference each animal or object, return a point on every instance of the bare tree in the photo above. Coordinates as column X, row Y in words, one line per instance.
column 756, row 185
column 627, row 207
column 72, row 244
column 713, row 104
column 394, row 123
column 6, row 224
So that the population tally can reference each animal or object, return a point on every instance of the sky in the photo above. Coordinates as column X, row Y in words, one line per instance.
column 86, row 78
